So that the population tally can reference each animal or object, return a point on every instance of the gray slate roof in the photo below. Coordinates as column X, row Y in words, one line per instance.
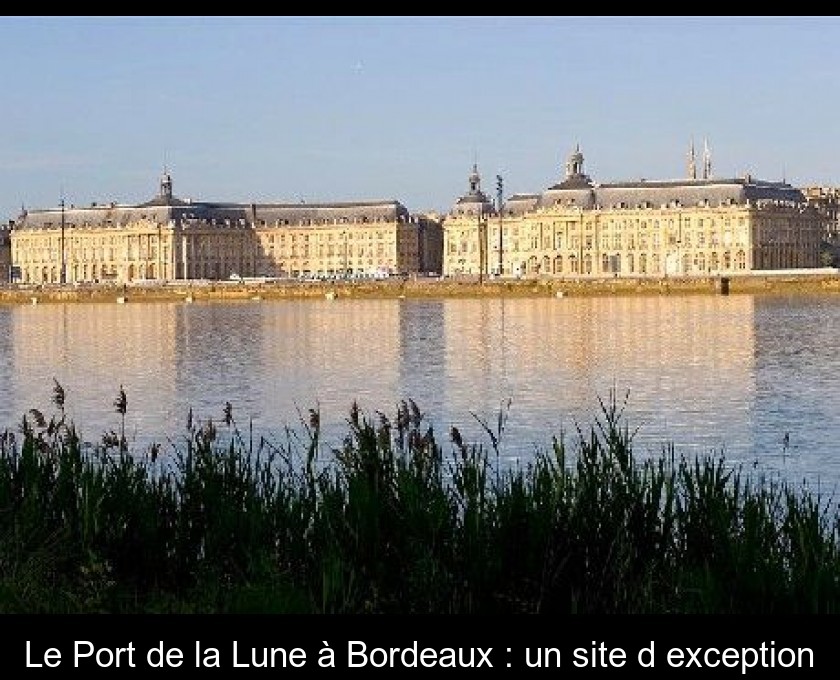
column 656, row 194
column 162, row 211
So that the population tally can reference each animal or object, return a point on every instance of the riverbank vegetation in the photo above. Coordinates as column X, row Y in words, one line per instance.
column 398, row 522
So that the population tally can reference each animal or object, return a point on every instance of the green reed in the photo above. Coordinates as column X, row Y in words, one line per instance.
column 396, row 521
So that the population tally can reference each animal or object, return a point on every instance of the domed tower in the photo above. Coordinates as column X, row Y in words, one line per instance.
column 166, row 186
column 575, row 178
column 574, row 165
column 165, row 195
column 467, row 222
column 475, row 181
column 475, row 201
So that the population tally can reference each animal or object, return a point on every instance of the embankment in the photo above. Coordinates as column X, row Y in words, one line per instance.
column 799, row 282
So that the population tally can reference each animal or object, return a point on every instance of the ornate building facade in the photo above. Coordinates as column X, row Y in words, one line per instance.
column 827, row 201
column 168, row 238
column 698, row 226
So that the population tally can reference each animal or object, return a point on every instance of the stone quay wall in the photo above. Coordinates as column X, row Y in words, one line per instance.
column 789, row 282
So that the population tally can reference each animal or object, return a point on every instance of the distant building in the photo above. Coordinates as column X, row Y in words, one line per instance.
column 5, row 254
column 696, row 226
column 826, row 201
column 168, row 238
column 576, row 227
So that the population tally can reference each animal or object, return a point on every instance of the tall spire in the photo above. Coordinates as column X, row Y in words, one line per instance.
column 475, row 181
column 707, row 160
column 692, row 161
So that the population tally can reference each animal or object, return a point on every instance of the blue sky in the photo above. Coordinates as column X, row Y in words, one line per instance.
column 362, row 108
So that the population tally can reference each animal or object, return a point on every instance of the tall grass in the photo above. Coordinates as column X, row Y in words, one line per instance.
column 395, row 521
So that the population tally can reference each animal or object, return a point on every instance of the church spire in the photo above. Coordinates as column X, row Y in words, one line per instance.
column 707, row 160
column 692, row 161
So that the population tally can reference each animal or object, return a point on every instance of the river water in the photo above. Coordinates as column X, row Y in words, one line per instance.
column 754, row 378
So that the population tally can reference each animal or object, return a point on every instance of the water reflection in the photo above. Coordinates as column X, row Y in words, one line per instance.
column 728, row 374
column 796, row 388
column 683, row 364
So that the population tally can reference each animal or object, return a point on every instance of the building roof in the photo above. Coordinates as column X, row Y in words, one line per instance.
column 474, row 199
column 165, row 208
column 673, row 193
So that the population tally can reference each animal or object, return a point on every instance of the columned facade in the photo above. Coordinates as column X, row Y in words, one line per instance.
column 169, row 239
column 692, row 227
column 467, row 244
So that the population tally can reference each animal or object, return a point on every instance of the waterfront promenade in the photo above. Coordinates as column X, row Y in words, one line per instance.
column 776, row 282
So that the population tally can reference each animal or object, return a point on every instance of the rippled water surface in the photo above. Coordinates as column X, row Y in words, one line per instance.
column 709, row 374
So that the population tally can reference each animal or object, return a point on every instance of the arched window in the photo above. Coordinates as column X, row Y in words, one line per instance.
column 533, row 267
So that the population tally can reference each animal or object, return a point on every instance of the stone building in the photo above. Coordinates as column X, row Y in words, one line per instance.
column 697, row 226
column 826, row 200
column 465, row 230
column 168, row 238
column 5, row 254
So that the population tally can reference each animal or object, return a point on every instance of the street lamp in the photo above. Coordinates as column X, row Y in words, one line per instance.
column 680, row 268
column 63, row 278
column 499, row 201
column 481, row 245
